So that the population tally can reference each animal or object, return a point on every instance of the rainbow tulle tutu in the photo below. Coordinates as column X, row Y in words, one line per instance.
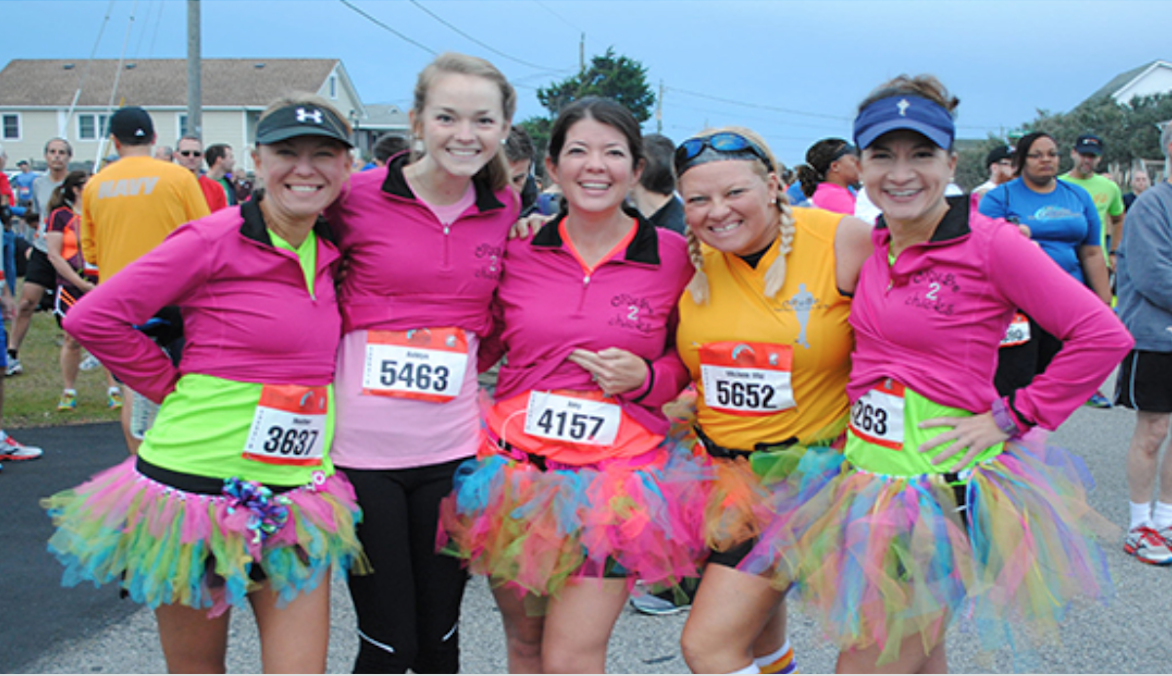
column 532, row 530
column 166, row 546
column 879, row 559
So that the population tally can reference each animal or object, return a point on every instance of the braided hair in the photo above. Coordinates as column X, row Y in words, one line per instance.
column 786, row 225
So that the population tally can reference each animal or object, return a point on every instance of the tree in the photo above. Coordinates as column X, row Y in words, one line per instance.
column 618, row 78
column 608, row 75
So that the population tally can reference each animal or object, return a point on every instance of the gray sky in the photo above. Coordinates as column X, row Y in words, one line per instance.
column 791, row 70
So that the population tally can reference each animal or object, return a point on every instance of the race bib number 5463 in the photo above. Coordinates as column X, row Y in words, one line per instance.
column 422, row 364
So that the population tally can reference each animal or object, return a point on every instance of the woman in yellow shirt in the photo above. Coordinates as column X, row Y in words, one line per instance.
column 764, row 332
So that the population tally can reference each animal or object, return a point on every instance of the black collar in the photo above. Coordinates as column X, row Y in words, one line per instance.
column 644, row 248
column 396, row 184
column 954, row 225
column 254, row 226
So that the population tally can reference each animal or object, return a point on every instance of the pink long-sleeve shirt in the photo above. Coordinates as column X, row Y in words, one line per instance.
column 549, row 306
column 934, row 318
column 247, row 313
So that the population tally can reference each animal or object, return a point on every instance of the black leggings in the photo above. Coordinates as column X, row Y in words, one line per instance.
column 409, row 607
column 1018, row 365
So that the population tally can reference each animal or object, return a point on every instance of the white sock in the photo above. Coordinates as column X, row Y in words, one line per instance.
column 1141, row 515
column 766, row 660
column 69, row 391
column 751, row 669
column 1162, row 515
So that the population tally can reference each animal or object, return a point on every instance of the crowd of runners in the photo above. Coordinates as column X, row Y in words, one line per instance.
column 727, row 403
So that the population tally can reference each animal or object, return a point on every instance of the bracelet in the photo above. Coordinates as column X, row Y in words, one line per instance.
column 1004, row 418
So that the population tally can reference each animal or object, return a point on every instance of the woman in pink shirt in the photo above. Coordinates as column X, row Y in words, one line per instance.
column 576, row 493
column 830, row 175
column 942, row 505
column 425, row 235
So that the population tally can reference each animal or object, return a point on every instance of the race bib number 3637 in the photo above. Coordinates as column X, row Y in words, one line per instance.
column 421, row 364
column 289, row 425
column 747, row 378
column 877, row 416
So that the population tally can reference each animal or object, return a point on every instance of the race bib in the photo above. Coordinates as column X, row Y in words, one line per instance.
column 747, row 378
column 877, row 416
column 289, row 426
column 1018, row 332
column 422, row 364
column 572, row 419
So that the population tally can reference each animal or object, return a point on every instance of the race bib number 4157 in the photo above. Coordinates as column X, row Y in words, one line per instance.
column 572, row 419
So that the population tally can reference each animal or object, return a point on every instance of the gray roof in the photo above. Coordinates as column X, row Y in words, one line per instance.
column 1120, row 81
column 385, row 116
column 158, row 82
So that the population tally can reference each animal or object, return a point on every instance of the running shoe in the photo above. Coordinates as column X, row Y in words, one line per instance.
column 67, row 402
column 113, row 399
column 11, row 449
column 1145, row 544
column 1097, row 400
column 89, row 363
column 14, row 367
column 659, row 603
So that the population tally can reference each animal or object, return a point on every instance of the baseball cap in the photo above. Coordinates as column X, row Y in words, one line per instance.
column 997, row 154
column 905, row 112
column 1088, row 144
column 303, row 119
column 133, row 125
column 21, row 163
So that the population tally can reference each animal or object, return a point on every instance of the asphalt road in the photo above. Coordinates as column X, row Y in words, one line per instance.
column 49, row 629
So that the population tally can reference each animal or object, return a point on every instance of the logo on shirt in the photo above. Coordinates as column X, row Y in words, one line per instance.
column 1053, row 213
column 801, row 304
column 128, row 187
column 490, row 261
column 633, row 313
column 934, row 292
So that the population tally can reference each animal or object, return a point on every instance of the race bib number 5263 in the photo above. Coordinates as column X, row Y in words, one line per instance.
column 877, row 416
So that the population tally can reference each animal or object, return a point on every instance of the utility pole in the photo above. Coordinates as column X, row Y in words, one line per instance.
column 659, row 110
column 194, row 73
column 582, row 54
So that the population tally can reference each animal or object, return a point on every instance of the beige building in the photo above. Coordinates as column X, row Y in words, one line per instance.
column 44, row 98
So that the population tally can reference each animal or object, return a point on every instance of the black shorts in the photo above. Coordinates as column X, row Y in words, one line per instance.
column 1145, row 382
column 732, row 557
column 40, row 271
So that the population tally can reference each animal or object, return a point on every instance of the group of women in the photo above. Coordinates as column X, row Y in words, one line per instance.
column 847, row 438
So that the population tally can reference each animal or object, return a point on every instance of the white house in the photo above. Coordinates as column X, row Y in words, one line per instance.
column 1146, row 80
column 70, row 98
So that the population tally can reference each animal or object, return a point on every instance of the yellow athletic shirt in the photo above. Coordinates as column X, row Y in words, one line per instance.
column 809, row 315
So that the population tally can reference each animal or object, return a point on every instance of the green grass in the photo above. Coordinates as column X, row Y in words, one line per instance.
column 30, row 399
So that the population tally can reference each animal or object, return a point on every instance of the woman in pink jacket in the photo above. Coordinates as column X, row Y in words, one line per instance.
column 232, row 497
column 424, row 236
column 576, row 493
column 941, row 507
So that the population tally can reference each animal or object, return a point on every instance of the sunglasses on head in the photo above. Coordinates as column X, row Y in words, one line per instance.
column 191, row 153
column 726, row 142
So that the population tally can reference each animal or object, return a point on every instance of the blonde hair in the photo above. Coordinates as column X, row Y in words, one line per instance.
column 786, row 225
column 496, row 172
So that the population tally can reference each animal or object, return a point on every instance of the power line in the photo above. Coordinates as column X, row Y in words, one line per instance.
column 479, row 42
column 382, row 25
column 761, row 106
column 564, row 20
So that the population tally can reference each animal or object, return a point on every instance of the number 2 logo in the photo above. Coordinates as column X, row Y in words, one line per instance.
column 934, row 289
column 633, row 312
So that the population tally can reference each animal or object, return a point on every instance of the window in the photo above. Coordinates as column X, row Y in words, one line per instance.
column 10, row 130
column 182, row 125
column 91, row 126
column 333, row 86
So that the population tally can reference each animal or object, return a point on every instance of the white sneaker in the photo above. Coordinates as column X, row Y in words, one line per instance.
column 14, row 367
column 90, row 363
column 1145, row 544
column 11, row 449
